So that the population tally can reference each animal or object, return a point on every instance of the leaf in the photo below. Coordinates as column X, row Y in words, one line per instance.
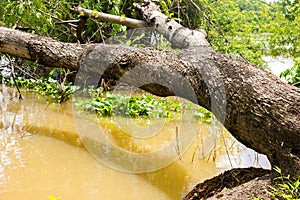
column 95, row 14
column 122, row 18
column 81, row 14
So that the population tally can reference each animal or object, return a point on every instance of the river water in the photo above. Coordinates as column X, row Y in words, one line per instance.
column 41, row 155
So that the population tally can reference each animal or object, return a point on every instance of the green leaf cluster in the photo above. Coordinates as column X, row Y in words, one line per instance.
column 55, row 89
column 292, row 75
column 203, row 115
column 40, row 17
column 109, row 104
column 285, row 29
column 287, row 188
column 247, row 29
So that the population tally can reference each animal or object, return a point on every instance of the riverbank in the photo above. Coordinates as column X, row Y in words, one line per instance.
column 234, row 184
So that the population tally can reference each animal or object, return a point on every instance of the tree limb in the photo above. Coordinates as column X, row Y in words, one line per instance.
column 40, row 49
column 80, row 28
column 178, row 35
column 131, row 23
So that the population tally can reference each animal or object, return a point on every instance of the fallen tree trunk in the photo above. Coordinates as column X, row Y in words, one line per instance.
column 262, row 112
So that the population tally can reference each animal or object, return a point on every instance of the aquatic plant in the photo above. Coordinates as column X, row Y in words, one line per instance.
column 55, row 87
column 108, row 104
column 203, row 115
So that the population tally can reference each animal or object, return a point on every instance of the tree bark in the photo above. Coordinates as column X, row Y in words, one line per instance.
column 262, row 112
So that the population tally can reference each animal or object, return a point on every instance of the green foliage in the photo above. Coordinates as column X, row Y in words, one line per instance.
column 55, row 87
column 233, row 26
column 108, row 104
column 57, row 90
column 253, row 28
column 249, row 28
column 40, row 16
column 284, row 36
column 292, row 76
column 287, row 188
column 284, row 29
column 203, row 115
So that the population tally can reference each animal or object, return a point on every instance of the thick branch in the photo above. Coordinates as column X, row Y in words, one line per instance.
column 178, row 35
column 40, row 49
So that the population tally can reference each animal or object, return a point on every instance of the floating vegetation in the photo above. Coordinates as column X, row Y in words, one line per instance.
column 108, row 104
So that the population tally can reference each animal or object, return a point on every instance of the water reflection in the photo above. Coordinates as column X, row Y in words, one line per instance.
column 34, row 165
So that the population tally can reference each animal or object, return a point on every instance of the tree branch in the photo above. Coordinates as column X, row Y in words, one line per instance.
column 178, row 35
column 131, row 23
column 40, row 49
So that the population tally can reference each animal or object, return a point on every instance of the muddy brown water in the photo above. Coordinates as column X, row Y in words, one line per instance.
column 41, row 155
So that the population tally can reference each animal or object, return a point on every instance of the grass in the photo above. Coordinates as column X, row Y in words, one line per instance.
column 286, row 187
column 55, row 87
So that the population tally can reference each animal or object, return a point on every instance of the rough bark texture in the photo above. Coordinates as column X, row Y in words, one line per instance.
column 178, row 35
column 40, row 49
